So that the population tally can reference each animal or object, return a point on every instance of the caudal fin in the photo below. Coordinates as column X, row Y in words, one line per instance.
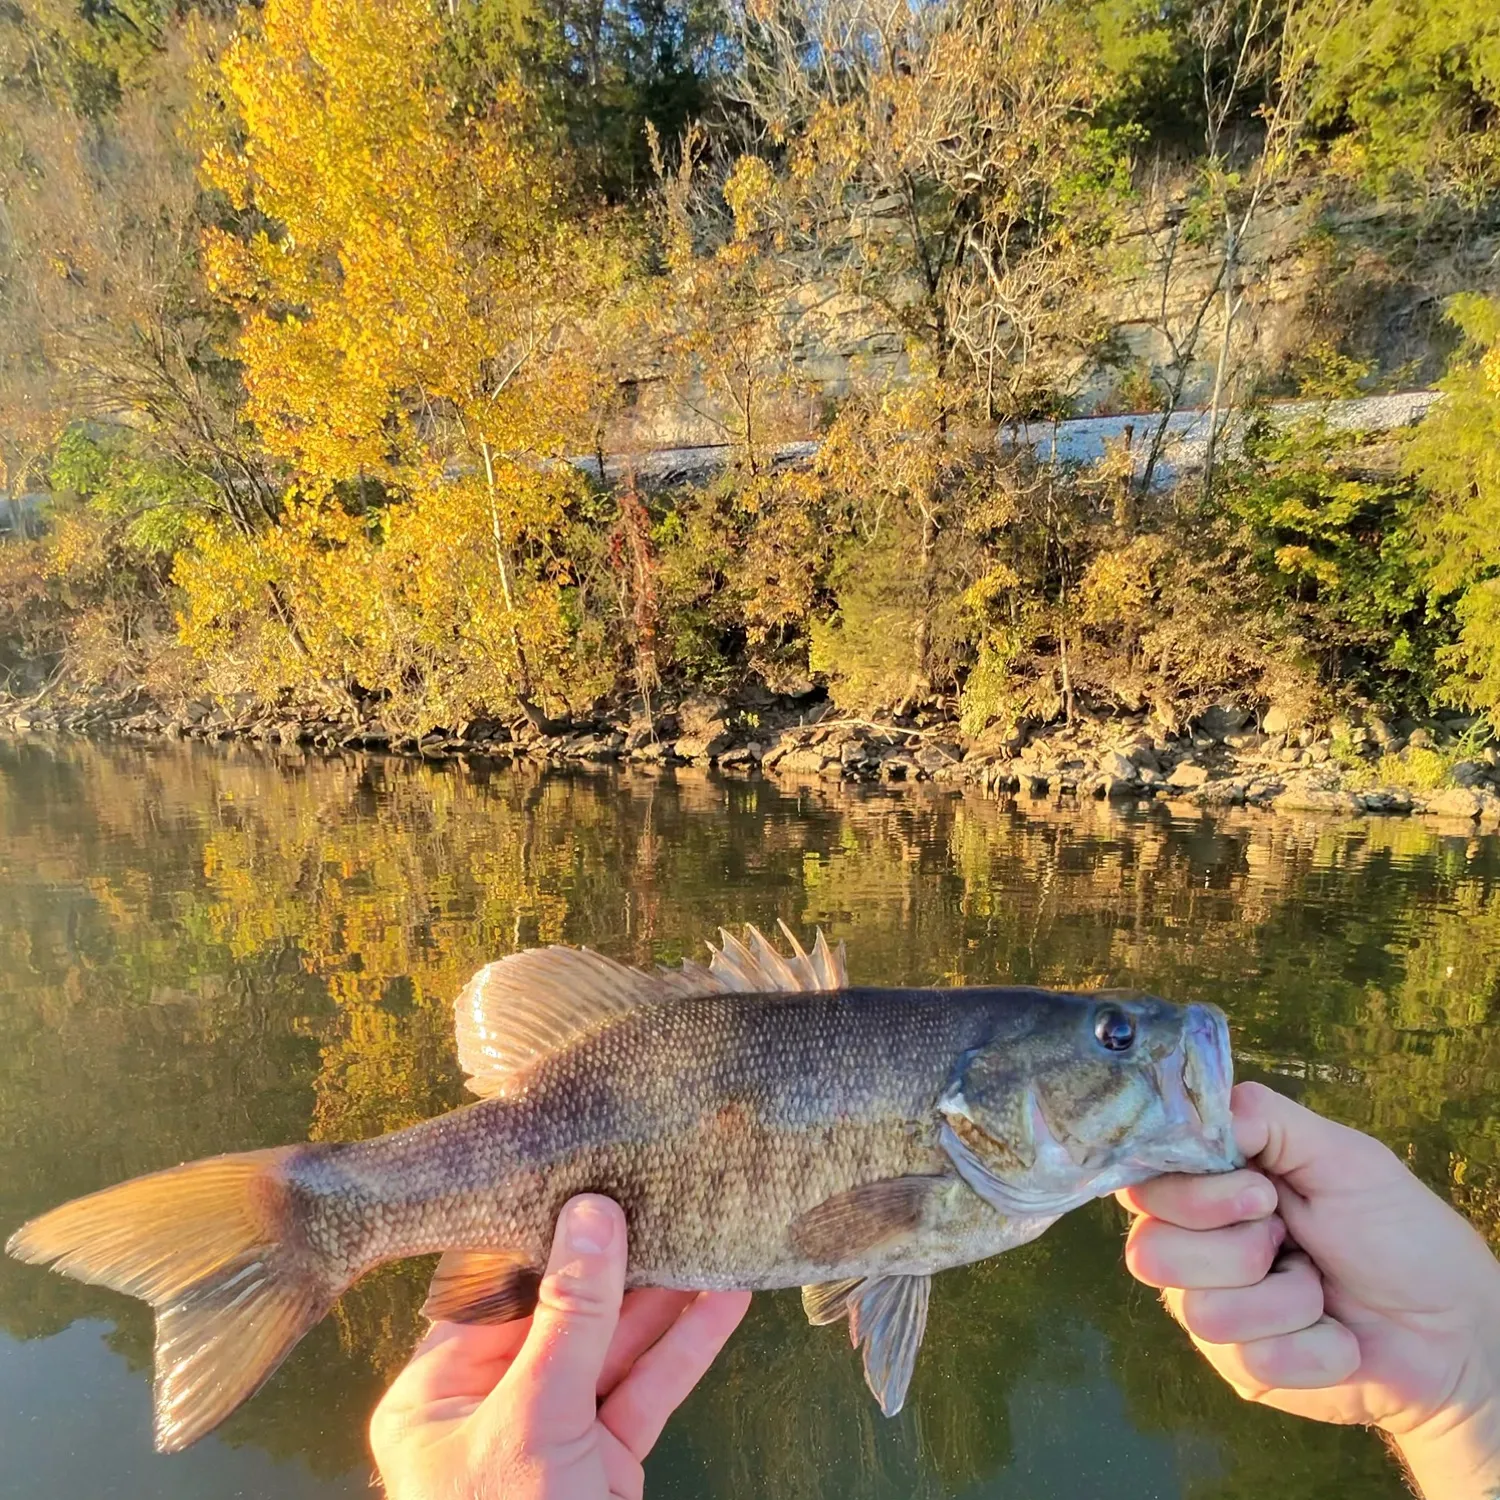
column 214, row 1248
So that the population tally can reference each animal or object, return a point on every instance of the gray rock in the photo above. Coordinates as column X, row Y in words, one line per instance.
column 1223, row 719
column 934, row 756
column 1468, row 773
column 1316, row 799
column 1395, row 799
column 1117, row 766
column 803, row 760
column 706, row 746
column 700, row 715
column 1245, row 741
column 1186, row 776
column 1226, row 793
column 1457, row 802
column 595, row 747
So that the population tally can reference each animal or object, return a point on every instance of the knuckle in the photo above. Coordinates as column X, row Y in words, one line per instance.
column 1208, row 1317
column 577, row 1295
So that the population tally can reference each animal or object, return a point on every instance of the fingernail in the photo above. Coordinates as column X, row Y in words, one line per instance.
column 1257, row 1200
column 589, row 1226
column 1278, row 1233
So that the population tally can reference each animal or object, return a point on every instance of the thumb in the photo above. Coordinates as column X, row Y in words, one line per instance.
column 556, row 1374
column 1314, row 1155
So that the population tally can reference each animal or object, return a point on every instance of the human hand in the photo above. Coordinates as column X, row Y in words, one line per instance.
column 564, row 1405
column 1327, row 1281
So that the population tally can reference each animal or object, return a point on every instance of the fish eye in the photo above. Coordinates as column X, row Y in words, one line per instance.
column 1114, row 1029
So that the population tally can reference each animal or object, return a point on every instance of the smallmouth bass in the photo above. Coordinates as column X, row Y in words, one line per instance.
column 764, row 1124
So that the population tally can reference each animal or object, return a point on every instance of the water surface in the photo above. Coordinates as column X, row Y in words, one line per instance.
column 207, row 950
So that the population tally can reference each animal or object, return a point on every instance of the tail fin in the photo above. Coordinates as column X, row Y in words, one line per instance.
column 213, row 1246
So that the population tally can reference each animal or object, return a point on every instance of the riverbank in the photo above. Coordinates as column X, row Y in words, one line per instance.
column 1230, row 756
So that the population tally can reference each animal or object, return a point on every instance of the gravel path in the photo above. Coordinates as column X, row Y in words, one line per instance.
column 1079, row 440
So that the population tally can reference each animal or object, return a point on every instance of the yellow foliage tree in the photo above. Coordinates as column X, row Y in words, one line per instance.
column 409, row 288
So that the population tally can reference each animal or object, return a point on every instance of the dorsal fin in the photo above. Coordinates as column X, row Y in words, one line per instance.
column 524, row 1007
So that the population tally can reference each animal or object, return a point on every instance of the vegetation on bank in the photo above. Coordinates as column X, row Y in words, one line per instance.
column 307, row 305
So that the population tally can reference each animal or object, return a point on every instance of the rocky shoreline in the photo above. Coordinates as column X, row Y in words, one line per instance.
column 1229, row 757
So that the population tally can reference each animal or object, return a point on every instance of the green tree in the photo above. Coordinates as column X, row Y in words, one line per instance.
column 1455, row 456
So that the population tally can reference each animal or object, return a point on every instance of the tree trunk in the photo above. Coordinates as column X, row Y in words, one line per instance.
column 1221, row 368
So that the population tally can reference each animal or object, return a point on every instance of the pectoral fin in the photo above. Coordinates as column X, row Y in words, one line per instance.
column 850, row 1223
column 477, row 1286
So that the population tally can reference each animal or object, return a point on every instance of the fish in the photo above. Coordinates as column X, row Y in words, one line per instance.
column 764, row 1123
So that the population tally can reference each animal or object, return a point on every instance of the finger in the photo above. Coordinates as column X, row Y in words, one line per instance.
column 661, row 1380
column 1163, row 1255
column 1310, row 1359
column 556, row 1372
column 1208, row 1202
column 644, row 1317
column 1291, row 1143
column 622, row 1469
column 1288, row 1300
column 458, row 1359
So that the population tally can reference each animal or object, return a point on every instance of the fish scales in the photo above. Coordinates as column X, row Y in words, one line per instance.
column 762, row 1122
column 715, row 1121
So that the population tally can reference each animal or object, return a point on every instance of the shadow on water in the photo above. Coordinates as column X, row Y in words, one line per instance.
column 212, row 950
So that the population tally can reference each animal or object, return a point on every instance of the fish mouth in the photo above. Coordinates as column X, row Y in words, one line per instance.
column 1195, row 1080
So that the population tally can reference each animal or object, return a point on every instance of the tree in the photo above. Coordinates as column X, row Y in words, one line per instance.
column 1455, row 456
column 410, row 288
column 1412, row 97
column 943, row 164
column 106, row 315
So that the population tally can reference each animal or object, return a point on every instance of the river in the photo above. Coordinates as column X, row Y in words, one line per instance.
column 207, row 949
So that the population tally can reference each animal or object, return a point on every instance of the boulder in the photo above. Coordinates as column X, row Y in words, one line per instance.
column 1468, row 773
column 1120, row 767
column 1385, row 799
column 705, row 746
column 744, row 755
column 933, row 757
column 1186, row 775
column 803, row 760
column 1225, row 793
column 1223, row 719
column 900, row 766
column 700, row 715
column 1276, row 720
column 1245, row 741
column 1456, row 802
column 1316, row 799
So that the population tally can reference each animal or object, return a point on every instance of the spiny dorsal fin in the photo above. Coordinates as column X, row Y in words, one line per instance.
column 522, row 1008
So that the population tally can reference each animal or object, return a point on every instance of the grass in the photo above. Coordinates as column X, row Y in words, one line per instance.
column 1414, row 770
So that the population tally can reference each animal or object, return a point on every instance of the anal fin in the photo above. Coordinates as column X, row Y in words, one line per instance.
column 481, row 1286
column 827, row 1301
column 887, row 1318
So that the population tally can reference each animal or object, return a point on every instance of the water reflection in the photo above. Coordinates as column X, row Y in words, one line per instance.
column 210, row 950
